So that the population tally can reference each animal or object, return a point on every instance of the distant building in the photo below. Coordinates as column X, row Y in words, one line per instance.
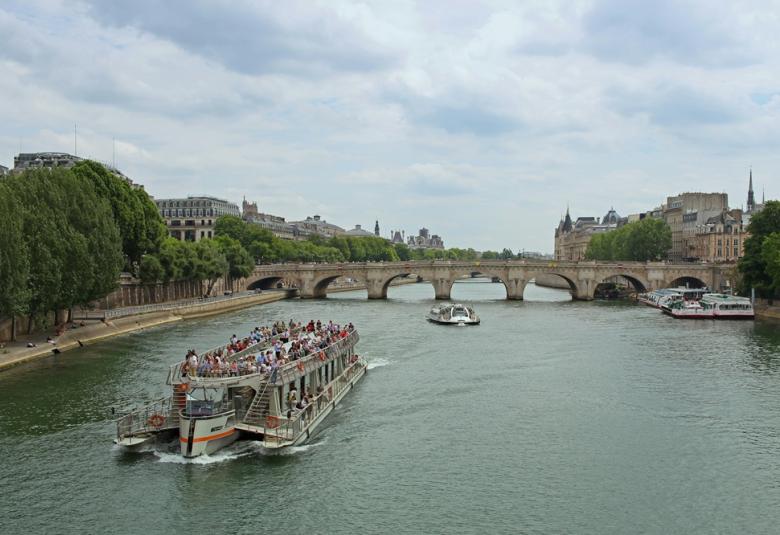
column 316, row 225
column 273, row 223
column 376, row 228
column 752, row 207
column 721, row 238
column 193, row 218
column 572, row 239
column 49, row 160
column 684, row 213
column 424, row 240
column 3, row 170
column 359, row 232
column 396, row 236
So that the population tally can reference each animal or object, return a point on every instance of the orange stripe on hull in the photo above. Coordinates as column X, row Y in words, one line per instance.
column 210, row 437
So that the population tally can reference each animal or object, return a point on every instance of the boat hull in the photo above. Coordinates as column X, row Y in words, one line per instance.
column 204, row 436
column 453, row 322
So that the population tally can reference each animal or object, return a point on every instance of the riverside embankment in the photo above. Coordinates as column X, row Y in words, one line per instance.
column 96, row 330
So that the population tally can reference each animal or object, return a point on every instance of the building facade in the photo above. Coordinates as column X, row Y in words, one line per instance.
column 316, row 225
column 49, row 160
column 3, row 170
column 721, row 238
column 425, row 240
column 685, row 213
column 193, row 218
column 572, row 238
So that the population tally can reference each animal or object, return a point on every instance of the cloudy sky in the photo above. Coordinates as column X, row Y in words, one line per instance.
column 480, row 120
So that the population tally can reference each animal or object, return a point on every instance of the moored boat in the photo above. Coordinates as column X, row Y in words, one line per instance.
column 682, row 309
column 729, row 306
column 453, row 314
column 275, row 390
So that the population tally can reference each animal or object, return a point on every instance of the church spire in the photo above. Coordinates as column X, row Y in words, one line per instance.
column 376, row 228
column 751, row 202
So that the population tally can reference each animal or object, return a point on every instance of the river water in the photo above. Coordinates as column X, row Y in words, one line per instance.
column 551, row 417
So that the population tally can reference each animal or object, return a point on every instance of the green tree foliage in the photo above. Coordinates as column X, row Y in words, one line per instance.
column 640, row 241
column 150, row 270
column 756, row 272
column 70, row 241
column 240, row 264
column 489, row 255
column 211, row 263
column 141, row 228
column 770, row 255
column 14, row 255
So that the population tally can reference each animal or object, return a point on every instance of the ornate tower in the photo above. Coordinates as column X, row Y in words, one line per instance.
column 751, row 202
column 376, row 228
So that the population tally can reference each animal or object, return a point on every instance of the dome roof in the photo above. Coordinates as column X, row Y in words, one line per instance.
column 612, row 218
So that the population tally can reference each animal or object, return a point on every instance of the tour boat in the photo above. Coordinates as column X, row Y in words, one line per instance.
column 210, row 412
column 681, row 309
column 656, row 298
column 456, row 314
column 729, row 306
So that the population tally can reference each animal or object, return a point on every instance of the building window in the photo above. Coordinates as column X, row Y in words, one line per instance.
column 720, row 242
column 209, row 234
column 720, row 252
column 736, row 251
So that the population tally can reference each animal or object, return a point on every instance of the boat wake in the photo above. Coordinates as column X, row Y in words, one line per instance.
column 377, row 363
column 228, row 454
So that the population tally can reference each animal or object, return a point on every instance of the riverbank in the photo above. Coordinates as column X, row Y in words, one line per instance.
column 768, row 313
column 91, row 331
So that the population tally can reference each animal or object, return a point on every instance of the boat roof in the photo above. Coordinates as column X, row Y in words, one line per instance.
column 725, row 298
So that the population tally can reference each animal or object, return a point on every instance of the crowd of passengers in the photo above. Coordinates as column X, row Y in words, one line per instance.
column 277, row 345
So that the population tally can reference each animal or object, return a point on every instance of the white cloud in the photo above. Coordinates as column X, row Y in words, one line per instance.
column 478, row 120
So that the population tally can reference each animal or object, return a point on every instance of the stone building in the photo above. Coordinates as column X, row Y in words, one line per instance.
column 721, row 238
column 359, row 232
column 572, row 238
column 193, row 218
column 316, row 225
column 686, row 212
column 3, row 170
column 425, row 240
column 275, row 224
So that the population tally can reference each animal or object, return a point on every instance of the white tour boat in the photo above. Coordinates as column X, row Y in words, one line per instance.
column 456, row 314
column 682, row 309
column 211, row 410
column 656, row 298
column 729, row 306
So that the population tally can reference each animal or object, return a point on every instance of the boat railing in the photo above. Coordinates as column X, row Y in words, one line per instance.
column 293, row 369
column 156, row 416
column 175, row 375
column 282, row 429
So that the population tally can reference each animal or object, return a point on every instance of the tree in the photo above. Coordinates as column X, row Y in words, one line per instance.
column 648, row 239
column 14, row 258
column 753, row 266
column 402, row 250
column 489, row 255
column 150, row 271
column 240, row 264
column 211, row 263
column 506, row 254
column 770, row 255
column 141, row 227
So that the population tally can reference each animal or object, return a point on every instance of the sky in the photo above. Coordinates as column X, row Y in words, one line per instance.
column 480, row 120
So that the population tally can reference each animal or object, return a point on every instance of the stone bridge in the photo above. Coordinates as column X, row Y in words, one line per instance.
column 582, row 277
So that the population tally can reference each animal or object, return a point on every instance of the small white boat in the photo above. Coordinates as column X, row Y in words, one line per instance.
column 682, row 309
column 456, row 314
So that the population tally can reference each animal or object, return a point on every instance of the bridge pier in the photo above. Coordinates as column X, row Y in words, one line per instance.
column 515, row 288
column 376, row 289
column 442, row 288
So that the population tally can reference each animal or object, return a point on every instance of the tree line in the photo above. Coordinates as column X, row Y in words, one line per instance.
column 760, row 266
column 66, row 236
column 647, row 239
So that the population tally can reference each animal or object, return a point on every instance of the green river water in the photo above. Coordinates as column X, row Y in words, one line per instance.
column 551, row 417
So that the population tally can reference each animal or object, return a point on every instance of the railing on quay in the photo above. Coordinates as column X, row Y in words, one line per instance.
column 282, row 429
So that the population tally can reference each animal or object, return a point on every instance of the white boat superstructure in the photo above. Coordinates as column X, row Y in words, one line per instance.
column 453, row 314
column 279, row 406
column 657, row 298
column 729, row 306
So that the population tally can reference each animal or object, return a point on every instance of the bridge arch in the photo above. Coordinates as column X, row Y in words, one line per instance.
column 574, row 290
column 490, row 274
column 265, row 283
column 687, row 281
column 639, row 284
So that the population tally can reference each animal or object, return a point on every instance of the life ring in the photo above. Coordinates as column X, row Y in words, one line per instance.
column 156, row 420
column 300, row 366
column 322, row 355
column 271, row 422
